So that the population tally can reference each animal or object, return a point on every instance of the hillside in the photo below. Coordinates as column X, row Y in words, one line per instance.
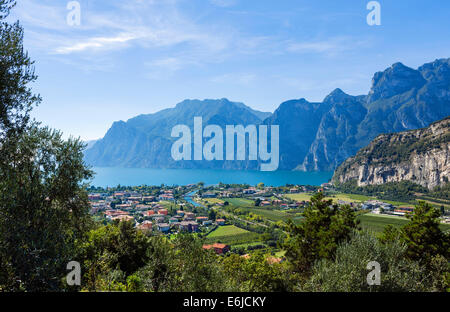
column 421, row 156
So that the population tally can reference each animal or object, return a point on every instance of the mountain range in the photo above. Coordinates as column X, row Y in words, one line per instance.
column 314, row 136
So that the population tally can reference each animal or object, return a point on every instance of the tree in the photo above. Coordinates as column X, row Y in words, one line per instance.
column 423, row 236
column 117, row 246
column 43, row 202
column 16, row 73
column 212, row 215
column 255, row 273
column 347, row 272
column 325, row 225
column 182, row 265
column 43, row 208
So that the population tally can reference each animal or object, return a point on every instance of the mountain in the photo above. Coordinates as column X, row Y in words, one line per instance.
column 401, row 98
column 145, row 140
column 421, row 156
column 314, row 136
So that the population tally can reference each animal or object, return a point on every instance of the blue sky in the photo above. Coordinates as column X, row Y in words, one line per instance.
column 129, row 57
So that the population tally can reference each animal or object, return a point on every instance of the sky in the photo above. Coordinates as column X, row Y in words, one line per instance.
column 131, row 57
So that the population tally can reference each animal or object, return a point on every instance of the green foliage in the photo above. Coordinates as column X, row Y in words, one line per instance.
column 347, row 272
column 317, row 237
column 423, row 235
column 182, row 265
column 398, row 191
column 117, row 246
column 257, row 274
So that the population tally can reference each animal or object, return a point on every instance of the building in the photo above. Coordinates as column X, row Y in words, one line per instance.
column 95, row 197
column 188, row 226
column 163, row 212
column 220, row 249
column 163, row 227
column 145, row 226
column 122, row 218
column 209, row 195
column 220, row 221
column 201, row 219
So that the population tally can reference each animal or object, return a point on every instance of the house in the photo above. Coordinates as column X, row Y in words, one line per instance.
column 180, row 212
column 158, row 219
column 148, row 198
column 124, row 206
column 209, row 195
column 265, row 203
column 166, row 197
column 220, row 249
column 220, row 221
column 188, row 226
column 207, row 222
column 173, row 220
column 163, row 212
column 145, row 226
column 95, row 197
column 149, row 213
column 123, row 218
column 163, row 227
column 143, row 207
column 189, row 216
column 201, row 219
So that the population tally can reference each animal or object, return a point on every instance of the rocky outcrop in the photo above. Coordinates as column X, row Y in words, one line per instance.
column 421, row 156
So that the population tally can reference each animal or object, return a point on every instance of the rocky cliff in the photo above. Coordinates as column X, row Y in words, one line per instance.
column 421, row 156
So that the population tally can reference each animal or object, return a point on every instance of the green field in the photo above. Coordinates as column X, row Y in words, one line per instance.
column 275, row 215
column 240, row 202
column 345, row 197
column 226, row 231
column 232, row 235
column 377, row 223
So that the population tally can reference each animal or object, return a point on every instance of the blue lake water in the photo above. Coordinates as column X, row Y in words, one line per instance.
column 112, row 176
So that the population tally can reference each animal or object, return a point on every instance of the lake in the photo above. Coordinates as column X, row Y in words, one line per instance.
column 112, row 176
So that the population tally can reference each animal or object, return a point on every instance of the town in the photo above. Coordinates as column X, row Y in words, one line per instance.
column 232, row 218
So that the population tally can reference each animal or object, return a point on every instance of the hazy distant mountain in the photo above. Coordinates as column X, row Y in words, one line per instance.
column 313, row 136
column 145, row 141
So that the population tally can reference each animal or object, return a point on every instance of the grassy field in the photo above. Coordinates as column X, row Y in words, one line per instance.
column 240, row 202
column 345, row 197
column 377, row 223
column 212, row 201
column 232, row 235
column 226, row 231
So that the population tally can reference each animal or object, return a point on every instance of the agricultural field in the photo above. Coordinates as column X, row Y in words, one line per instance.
column 377, row 223
column 276, row 215
column 240, row 202
column 212, row 201
column 345, row 197
column 232, row 235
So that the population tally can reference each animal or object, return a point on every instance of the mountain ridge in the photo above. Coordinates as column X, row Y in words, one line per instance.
column 314, row 136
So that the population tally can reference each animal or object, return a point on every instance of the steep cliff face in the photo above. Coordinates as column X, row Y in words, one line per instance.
column 401, row 98
column 421, row 156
